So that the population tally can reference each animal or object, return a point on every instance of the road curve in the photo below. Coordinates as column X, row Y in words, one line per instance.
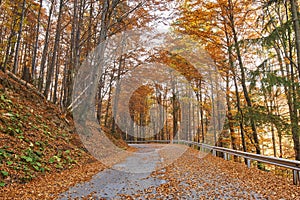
column 133, row 178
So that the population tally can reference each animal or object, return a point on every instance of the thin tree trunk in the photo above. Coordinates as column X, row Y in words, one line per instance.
column 57, row 69
column 55, row 49
column 175, row 113
column 293, row 103
column 202, row 112
column 16, row 59
column 26, row 76
column 295, row 12
column 100, row 56
column 36, row 46
column 238, row 101
column 243, row 78
column 9, row 46
column 117, row 94
column 230, row 116
column 45, row 49
column 108, row 105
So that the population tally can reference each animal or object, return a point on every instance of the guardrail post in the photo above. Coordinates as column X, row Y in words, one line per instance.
column 225, row 156
column 214, row 152
column 296, row 177
column 248, row 163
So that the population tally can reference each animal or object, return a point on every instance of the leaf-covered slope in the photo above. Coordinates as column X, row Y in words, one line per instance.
column 35, row 137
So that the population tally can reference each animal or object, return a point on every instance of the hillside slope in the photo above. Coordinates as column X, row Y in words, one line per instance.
column 37, row 142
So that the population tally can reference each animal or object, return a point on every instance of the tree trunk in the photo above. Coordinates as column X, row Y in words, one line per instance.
column 16, row 59
column 294, row 114
column 175, row 113
column 295, row 12
column 230, row 116
column 36, row 46
column 9, row 46
column 97, row 69
column 45, row 49
column 243, row 78
column 57, row 69
column 238, row 104
column 52, row 63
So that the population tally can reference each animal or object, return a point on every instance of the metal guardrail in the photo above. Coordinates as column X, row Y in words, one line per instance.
column 289, row 164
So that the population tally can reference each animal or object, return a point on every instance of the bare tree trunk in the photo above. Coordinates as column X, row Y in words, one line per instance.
column 26, row 76
column 16, row 59
column 97, row 70
column 99, row 102
column 55, row 49
column 57, row 69
column 9, row 46
column 238, row 101
column 45, row 49
column 108, row 104
column 175, row 112
column 243, row 78
column 166, row 127
column 36, row 46
column 230, row 116
column 295, row 117
column 116, row 99
column 295, row 12
column 200, row 112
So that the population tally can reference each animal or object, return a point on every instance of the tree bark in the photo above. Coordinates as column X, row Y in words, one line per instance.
column 52, row 63
column 294, row 116
column 9, row 46
column 295, row 12
column 35, row 47
column 16, row 59
column 45, row 49
column 243, row 78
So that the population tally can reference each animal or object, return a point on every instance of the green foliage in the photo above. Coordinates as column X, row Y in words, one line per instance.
column 33, row 158
column 276, row 34
column 9, row 162
column 5, row 155
column 62, row 159
column 4, row 173
column 272, row 79
column 4, row 99
column 27, row 159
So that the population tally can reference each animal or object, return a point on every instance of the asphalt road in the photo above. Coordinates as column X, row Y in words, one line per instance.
column 129, row 177
column 132, row 178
